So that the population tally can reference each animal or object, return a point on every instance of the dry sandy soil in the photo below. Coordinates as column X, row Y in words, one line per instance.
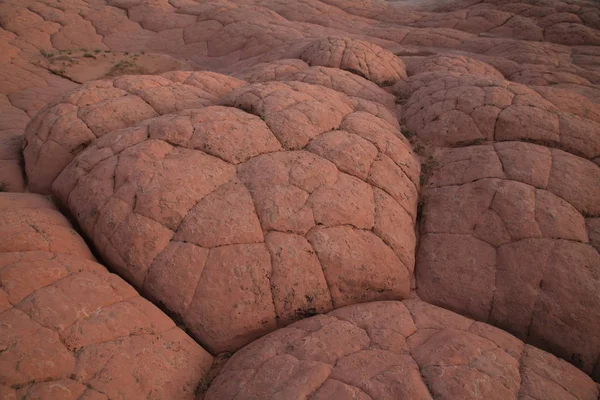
column 312, row 199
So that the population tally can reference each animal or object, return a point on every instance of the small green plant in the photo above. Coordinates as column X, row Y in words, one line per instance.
column 386, row 83
column 46, row 53
column 83, row 49
column 97, row 51
column 400, row 100
column 60, row 72
column 107, row 51
column 407, row 134
column 122, row 65
column 430, row 165
column 427, row 168
column 88, row 55
column 419, row 149
column 586, row 213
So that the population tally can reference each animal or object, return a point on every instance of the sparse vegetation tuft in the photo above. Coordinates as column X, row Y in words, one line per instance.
column 586, row 214
column 419, row 149
column 120, row 66
column 407, row 134
column 46, row 53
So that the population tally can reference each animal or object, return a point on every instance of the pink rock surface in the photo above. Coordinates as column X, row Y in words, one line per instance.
column 454, row 64
column 548, row 43
column 362, row 58
column 67, row 127
column 498, row 233
column 70, row 329
column 297, row 194
column 396, row 350
column 454, row 110
column 242, row 221
column 505, row 239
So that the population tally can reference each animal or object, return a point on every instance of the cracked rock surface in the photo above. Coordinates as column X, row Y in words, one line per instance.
column 65, row 128
column 286, row 201
column 69, row 329
column 503, row 231
column 246, row 165
column 396, row 350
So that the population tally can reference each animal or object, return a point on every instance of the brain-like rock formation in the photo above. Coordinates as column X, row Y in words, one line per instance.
column 447, row 110
column 271, row 71
column 571, row 178
column 342, row 81
column 64, row 129
column 357, row 56
column 287, row 201
column 69, row 329
column 454, row 64
column 242, row 203
column 396, row 350
column 507, row 228
column 504, row 240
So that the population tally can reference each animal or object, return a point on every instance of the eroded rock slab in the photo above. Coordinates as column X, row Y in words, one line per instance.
column 70, row 329
column 396, row 350
column 60, row 132
column 287, row 200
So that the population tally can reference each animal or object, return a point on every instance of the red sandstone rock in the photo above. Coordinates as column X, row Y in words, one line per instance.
column 502, row 243
column 359, row 57
column 97, row 108
column 215, row 203
column 396, row 350
column 69, row 329
column 454, row 110
column 170, row 177
column 455, row 64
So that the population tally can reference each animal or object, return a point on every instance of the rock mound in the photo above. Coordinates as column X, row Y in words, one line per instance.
column 357, row 56
column 70, row 329
column 504, row 240
column 454, row 64
column 396, row 350
column 507, row 230
column 447, row 110
column 289, row 200
column 61, row 131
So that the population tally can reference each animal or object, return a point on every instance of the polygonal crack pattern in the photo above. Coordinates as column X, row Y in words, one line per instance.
column 70, row 329
column 508, row 229
column 61, row 131
column 396, row 350
column 242, row 221
column 243, row 208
